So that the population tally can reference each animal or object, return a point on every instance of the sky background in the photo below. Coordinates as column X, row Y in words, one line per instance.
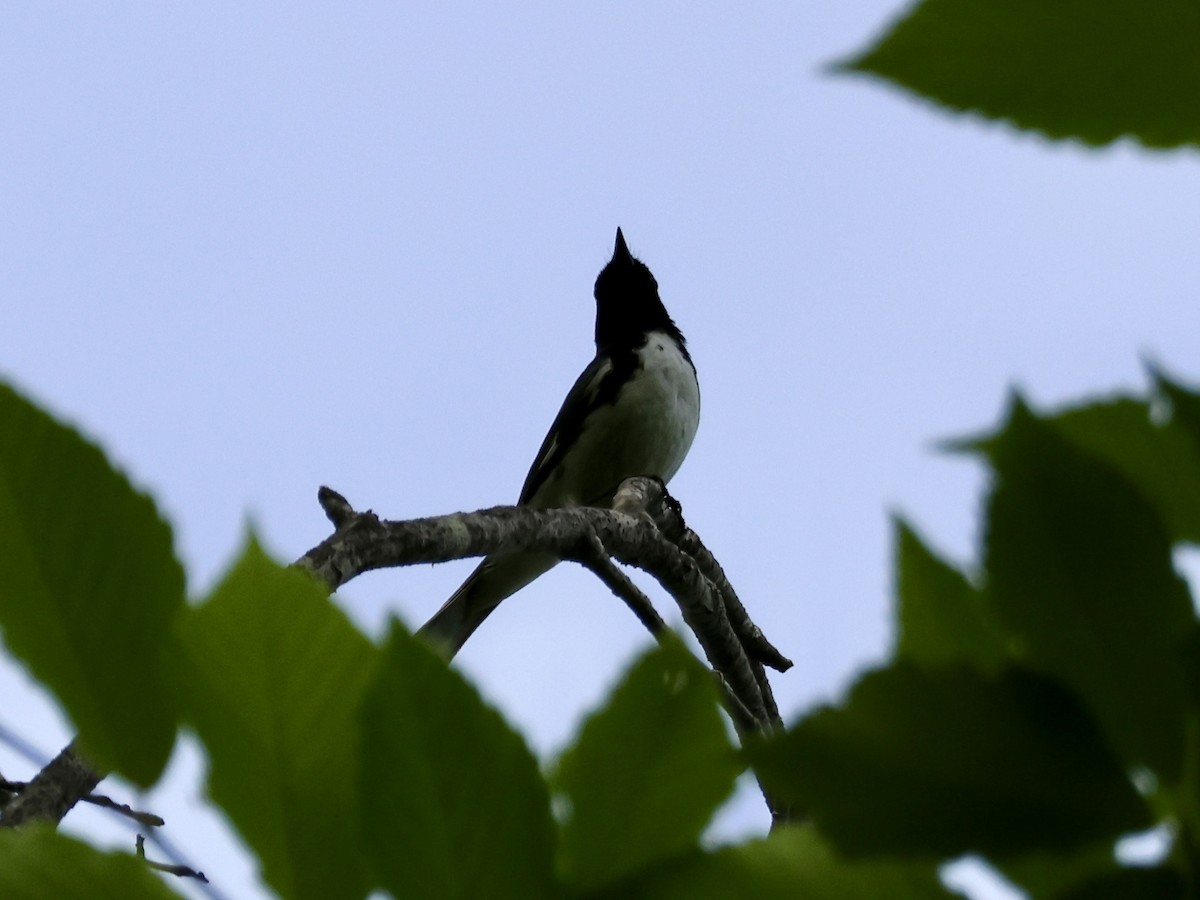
column 256, row 248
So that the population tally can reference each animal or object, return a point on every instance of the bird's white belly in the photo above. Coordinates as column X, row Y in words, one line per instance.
column 647, row 431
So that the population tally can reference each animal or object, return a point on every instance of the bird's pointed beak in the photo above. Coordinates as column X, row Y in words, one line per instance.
column 621, row 251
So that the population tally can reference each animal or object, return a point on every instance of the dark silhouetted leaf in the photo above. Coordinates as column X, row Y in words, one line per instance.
column 1131, row 884
column 792, row 863
column 941, row 762
column 1161, row 461
column 941, row 617
column 1185, row 415
column 1080, row 572
column 1089, row 69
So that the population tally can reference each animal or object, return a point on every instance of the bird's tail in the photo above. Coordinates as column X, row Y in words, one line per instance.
column 496, row 578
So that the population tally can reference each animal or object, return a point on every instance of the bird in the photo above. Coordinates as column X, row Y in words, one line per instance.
column 633, row 411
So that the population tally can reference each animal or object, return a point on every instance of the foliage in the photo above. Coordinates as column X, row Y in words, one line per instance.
column 87, row 577
column 1059, row 712
column 40, row 863
column 1039, row 706
column 1094, row 70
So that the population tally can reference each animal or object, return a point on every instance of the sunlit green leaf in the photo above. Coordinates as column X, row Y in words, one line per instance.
column 37, row 863
column 89, row 586
column 646, row 773
column 453, row 803
column 273, row 676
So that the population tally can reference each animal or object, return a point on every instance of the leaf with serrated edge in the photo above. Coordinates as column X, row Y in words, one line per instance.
column 454, row 805
column 941, row 617
column 646, row 773
column 1095, row 70
column 273, row 674
column 937, row 762
column 89, row 586
column 1080, row 573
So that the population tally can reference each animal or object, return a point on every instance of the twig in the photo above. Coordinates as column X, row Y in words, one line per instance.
column 150, row 820
column 159, row 839
column 169, row 868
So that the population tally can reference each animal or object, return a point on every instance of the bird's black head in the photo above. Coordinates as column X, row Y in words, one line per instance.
column 627, row 302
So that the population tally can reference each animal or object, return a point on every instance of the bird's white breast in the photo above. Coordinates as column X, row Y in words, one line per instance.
column 647, row 431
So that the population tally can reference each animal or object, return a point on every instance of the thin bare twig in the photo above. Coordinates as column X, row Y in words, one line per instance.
column 148, row 819
column 170, row 868
column 159, row 839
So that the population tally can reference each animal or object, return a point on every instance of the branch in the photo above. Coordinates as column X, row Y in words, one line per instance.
column 61, row 783
column 644, row 528
column 668, row 516
column 593, row 557
column 363, row 542
column 129, row 816
column 147, row 819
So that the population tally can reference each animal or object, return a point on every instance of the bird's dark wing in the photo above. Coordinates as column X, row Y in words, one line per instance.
column 597, row 386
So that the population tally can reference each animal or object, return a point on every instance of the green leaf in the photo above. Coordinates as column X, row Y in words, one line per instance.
column 941, row 617
column 1046, row 874
column 453, row 803
column 1185, row 415
column 89, row 586
column 1161, row 460
column 1132, row 884
column 37, row 863
column 272, row 676
column 646, row 772
column 1090, row 69
column 1080, row 574
column 793, row 862
column 939, row 763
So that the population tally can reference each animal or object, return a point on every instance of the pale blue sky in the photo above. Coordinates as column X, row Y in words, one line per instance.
column 253, row 249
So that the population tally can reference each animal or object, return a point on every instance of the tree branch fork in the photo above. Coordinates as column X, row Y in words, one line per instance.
column 643, row 528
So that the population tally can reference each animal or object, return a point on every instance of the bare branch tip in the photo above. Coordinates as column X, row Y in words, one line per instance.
column 149, row 819
column 337, row 508
column 179, row 871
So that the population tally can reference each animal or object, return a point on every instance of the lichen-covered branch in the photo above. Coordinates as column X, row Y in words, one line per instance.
column 644, row 528
column 61, row 783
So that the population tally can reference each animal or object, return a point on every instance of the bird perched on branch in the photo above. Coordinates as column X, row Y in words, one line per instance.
column 633, row 411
